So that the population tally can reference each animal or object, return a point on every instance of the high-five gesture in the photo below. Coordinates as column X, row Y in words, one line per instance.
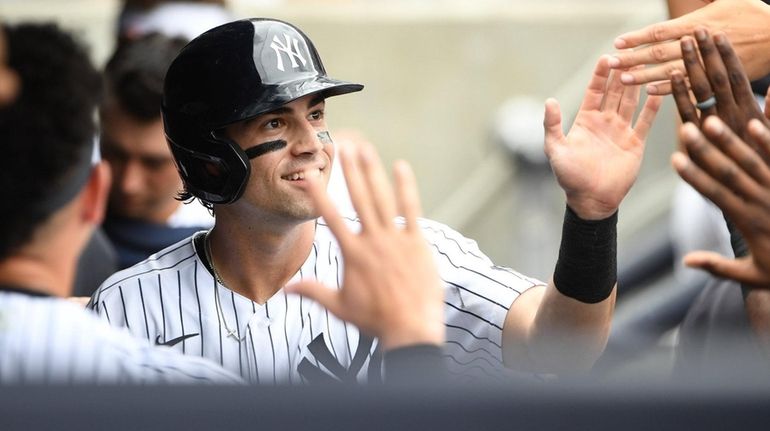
column 725, row 169
column 596, row 163
column 657, row 45
column 391, row 288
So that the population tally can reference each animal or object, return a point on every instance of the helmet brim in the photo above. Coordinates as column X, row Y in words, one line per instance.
column 290, row 91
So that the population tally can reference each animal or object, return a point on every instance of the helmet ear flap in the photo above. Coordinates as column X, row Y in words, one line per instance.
column 218, row 175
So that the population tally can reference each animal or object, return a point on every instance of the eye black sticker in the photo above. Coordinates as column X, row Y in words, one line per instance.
column 265, row 148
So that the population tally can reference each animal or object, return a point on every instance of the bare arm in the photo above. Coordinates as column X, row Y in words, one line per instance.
column 553, row 328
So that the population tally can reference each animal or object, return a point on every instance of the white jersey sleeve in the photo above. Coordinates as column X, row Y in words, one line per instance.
column 46, row 340
column 477, row 299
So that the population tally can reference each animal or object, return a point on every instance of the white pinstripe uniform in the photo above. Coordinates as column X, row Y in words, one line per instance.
column 291, row 339
column 46, row 340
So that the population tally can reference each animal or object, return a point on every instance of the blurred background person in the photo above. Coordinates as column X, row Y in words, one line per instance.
column 174, row 18
column 56, row 188
column 143, row 214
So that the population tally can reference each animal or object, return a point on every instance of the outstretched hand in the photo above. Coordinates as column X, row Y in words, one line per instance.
column 391, row 288
column 744, row 22
column 720, row 79
column 597, row 162
column 725, row 169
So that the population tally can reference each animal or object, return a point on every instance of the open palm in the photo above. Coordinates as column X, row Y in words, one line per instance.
column 597, row 162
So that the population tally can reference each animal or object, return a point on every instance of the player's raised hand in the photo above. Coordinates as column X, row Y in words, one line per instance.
column 725, row 169
column 719, row 84
column 597, row 162
column 391, row 288
column 657, row 45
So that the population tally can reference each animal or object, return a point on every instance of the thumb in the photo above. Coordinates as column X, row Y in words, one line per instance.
column 552, row 123
column 318, row 292
column 741, row 270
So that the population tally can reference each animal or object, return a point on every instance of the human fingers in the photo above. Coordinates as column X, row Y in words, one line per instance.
column 737, row 150
column 552, row 124
column 614, row 93
column 760, row 136
column 596, row 90
column 629, row 102
column 658, row 88
column 357, row 185
column 647, row 116
column 711, row 173
column 717, row 77
column 652, row 74
column 684, row 104
column 739, row 82
column 657, row 53
column 741, row 269
column 380, row 190
column 658, row 32
column 704, row 184
column 699, row 81
column 328, row 211
column 407, row 194
column 327, row 297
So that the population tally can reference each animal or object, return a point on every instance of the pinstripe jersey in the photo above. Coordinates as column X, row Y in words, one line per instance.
column 47, row 340
column 292, row 339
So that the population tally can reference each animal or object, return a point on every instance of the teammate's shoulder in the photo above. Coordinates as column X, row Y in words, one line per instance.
column 435, row 231
column 171, row 257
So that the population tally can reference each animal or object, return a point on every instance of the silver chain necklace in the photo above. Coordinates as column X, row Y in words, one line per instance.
column 207, row 250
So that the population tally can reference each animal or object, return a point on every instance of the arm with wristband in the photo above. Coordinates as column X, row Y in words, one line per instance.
column 563, row 327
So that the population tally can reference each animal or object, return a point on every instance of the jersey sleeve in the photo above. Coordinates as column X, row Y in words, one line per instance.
column 478, row 295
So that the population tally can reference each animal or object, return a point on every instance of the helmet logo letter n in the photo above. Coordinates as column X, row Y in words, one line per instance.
column 290, row 47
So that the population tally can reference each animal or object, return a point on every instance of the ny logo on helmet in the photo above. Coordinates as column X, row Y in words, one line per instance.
column 290, row 47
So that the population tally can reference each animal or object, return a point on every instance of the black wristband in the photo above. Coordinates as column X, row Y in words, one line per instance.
column 414, row 364
column 587, row 267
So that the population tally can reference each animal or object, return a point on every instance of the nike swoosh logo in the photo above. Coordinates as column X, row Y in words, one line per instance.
column 175, row 341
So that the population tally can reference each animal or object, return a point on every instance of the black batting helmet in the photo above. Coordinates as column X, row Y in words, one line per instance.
column 229, row 74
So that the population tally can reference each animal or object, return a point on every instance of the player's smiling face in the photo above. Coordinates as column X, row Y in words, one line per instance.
column 294, row 146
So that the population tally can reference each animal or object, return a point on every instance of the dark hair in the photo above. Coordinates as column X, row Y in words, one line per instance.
column 134, row 78
column 134, row 75
column 185, row 196
column 46, row 130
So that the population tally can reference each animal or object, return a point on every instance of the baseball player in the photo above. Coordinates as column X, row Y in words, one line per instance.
column 55, row 192
column 46, row 339
column 244, row 115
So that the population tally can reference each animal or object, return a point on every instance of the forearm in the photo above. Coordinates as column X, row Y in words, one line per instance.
column 572, row 323
column 568, row 322
column 568, row 335
column 756, row 300
column 758, row 312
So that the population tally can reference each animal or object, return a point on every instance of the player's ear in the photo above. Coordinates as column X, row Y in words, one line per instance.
column 95, row 193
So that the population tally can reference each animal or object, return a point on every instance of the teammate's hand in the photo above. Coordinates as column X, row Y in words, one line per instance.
column 598, row 160
column 735, row 177
column 744, row 22
column 391, row 287
column 723, row 79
